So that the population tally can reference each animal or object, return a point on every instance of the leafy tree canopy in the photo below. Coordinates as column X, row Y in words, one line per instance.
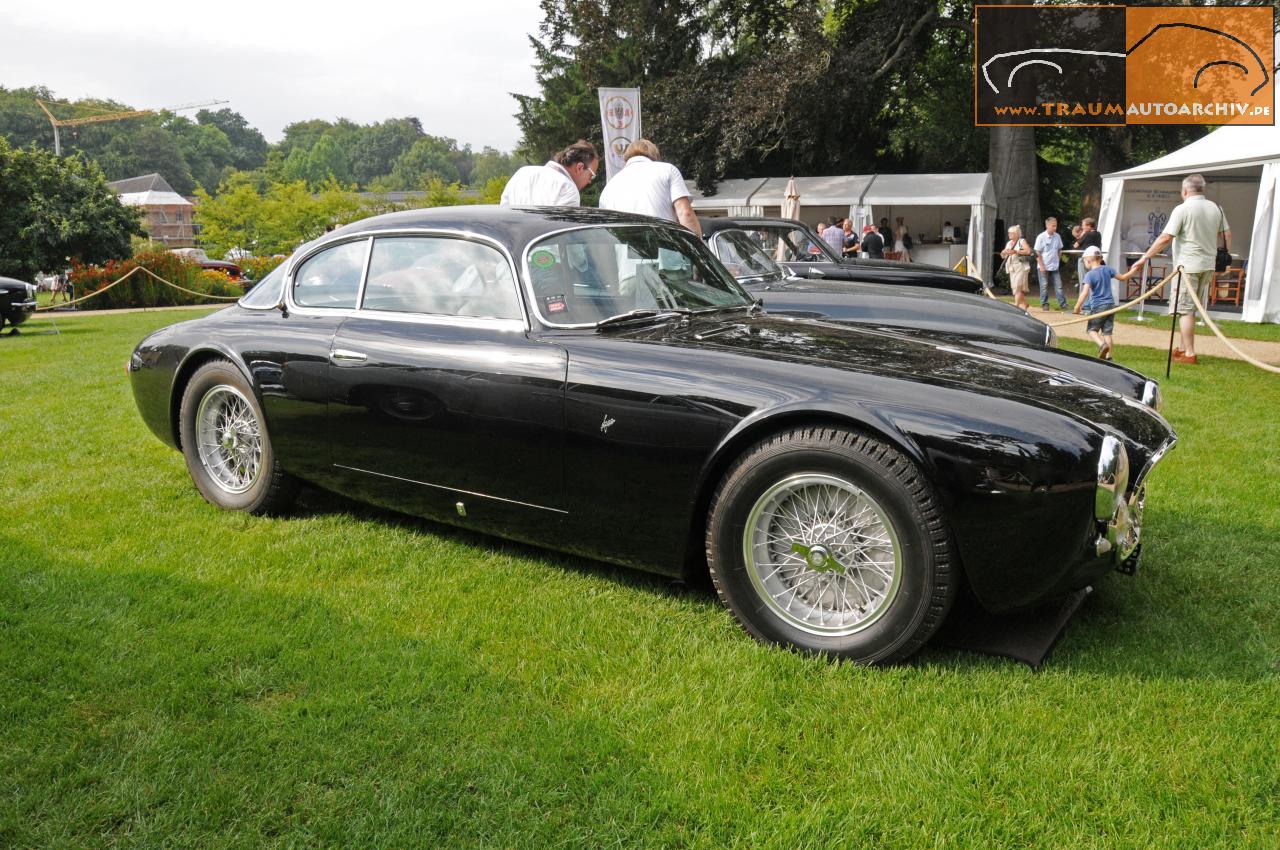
column 55, row 208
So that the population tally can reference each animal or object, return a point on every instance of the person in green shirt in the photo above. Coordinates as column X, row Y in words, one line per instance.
column 1193, row 228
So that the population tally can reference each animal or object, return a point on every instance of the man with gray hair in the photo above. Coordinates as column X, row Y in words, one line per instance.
column 648, row 186
column 1193, row 227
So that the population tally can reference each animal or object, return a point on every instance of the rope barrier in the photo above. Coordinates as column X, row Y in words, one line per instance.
column 1191, row 290
column 1143, row 297
column 125, row 277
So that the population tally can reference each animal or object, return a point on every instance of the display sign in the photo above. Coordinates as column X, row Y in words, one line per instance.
column 620, row 117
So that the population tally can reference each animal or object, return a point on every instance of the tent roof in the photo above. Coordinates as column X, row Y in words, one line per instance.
column 835, row 191
column 729, row 193
column 925, row 190
column 853, row 189
column 1226, row 147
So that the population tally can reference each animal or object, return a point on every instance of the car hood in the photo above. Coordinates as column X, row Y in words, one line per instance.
column 952, row 363
column 908, row 274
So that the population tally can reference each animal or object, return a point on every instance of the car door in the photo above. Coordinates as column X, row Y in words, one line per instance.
column 287, row 353
column 440, row 402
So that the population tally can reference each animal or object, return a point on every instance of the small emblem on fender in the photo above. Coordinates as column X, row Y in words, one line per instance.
column 608, row 421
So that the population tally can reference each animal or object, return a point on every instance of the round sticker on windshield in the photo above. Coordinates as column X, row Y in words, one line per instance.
column 543, row 259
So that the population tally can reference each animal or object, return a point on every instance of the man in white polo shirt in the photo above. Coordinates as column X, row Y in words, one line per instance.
column 649, row 187
column 556, row 184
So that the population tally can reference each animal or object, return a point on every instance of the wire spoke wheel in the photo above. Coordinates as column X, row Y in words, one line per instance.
column 822, row 554
column 229, row 439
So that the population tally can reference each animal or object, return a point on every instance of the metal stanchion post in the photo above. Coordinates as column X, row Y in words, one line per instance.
column 1146, row 276
column 1177, row 290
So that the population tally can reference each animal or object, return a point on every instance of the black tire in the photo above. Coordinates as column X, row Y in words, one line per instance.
column 822, row 461
column 269, row 489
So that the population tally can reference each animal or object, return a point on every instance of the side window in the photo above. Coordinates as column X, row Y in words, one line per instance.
column 331, row 278
column 440, row 276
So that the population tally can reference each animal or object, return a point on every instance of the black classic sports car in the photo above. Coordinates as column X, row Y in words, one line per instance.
column 597, row 383
column 17, row 302
column 882, row 304
column 803, row 253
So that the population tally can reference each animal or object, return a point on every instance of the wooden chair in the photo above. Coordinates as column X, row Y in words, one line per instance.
column 1228, row 287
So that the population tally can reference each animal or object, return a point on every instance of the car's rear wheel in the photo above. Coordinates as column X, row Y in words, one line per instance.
column 831, row 542
column 226, row 446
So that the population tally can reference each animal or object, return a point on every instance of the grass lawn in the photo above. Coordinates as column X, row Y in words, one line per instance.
column 1157, row 316
column 173, row 675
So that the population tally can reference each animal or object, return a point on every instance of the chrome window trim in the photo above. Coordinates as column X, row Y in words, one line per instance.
column 528, row 274
column 522, row 324
column 284, row 279
column 312, row 310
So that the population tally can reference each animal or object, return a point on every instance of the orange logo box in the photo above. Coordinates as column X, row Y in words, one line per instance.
column 1200, row 65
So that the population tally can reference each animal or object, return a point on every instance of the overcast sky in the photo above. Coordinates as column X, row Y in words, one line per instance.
column 453, row 65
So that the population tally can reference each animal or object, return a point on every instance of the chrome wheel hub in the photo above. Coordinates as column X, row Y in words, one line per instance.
column 822, row 554
column 228, row 439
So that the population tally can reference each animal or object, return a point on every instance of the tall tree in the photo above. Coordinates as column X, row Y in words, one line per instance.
column 248, row 147
column 52, row 208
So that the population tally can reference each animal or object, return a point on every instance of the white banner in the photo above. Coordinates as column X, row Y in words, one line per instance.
column 620, row 117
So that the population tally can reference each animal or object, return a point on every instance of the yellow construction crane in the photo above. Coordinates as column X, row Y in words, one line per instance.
column 108, row 116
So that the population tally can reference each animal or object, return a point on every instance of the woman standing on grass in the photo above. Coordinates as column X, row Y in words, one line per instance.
column 1017, row 262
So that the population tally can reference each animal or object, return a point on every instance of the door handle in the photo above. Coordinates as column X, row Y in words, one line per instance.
column 342, row 355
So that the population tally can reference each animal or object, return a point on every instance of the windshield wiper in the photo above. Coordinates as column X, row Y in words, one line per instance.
column 643, row 313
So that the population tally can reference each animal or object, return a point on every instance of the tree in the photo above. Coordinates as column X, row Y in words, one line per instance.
column 431, row 157
column 379, row 146
column 149, row 149
column 206, row 149
column 52, row 208
column 248, row 147
column 273, row 221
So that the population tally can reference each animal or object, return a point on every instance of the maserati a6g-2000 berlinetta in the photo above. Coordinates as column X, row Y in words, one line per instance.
column 598, row 383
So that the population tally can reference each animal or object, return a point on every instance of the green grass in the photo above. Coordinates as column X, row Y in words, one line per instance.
column 173, row 675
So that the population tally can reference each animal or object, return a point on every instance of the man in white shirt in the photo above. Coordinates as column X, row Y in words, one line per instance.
column 649, row 187
column 556, row 184
column 1048, row 247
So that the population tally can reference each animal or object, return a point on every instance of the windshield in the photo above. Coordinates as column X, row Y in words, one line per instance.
column 583, row 276
column 745, row 256
column 265, row 294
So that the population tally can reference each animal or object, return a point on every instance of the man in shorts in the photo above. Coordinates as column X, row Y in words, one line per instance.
column 1194, row 227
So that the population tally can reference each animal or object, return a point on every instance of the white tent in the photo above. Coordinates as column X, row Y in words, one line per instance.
column 970, row 195
column 925, row 201
column 1242, row 167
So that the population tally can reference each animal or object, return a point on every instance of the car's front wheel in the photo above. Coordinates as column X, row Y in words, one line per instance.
column 226, row 446
column 833, row 542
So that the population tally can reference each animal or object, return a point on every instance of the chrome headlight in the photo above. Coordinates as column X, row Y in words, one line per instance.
column 1152, row 397
column 1113, row 479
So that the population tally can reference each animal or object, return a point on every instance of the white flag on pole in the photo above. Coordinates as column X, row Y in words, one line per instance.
column 620, row 117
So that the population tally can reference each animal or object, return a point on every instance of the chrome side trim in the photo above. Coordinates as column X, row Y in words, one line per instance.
column 452, row 489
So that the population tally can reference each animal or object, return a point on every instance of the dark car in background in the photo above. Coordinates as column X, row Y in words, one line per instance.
column 802, row 252
column 17, row 302
column 597, row 383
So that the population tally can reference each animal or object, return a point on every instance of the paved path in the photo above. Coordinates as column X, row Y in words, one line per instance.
column 1156, row 335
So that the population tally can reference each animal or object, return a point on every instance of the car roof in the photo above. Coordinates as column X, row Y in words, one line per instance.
column 514, row 226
